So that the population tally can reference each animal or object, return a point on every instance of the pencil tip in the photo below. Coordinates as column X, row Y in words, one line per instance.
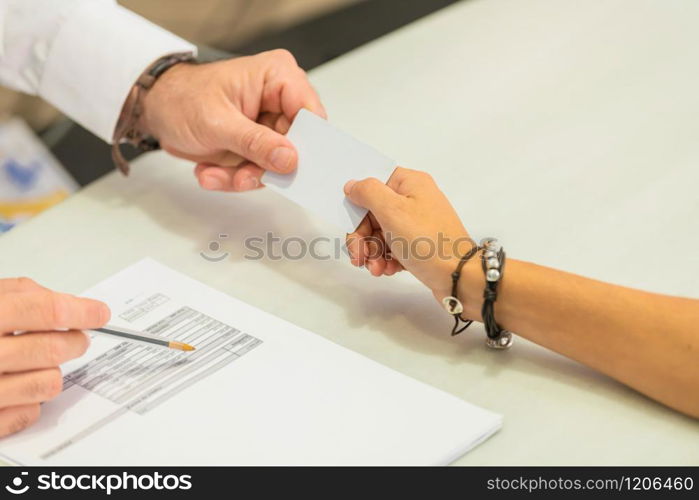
column 181, row 346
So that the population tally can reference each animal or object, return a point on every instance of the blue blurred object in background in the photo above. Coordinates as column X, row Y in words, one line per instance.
column 23, row 177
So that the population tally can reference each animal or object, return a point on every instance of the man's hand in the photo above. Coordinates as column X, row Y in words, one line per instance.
column 29, row 373
column 230, row 116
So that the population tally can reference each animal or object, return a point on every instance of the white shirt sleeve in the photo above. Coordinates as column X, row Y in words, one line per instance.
column 83, row 56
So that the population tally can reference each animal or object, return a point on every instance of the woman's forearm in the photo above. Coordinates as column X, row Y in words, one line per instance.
column 647, row 341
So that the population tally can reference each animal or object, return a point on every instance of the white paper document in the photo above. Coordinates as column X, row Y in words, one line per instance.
column 327, row 159
column 257, row 390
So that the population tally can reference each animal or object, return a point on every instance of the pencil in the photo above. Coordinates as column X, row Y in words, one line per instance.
column 144, row 337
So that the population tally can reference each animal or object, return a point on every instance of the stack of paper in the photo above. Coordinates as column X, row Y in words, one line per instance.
column 257, row 390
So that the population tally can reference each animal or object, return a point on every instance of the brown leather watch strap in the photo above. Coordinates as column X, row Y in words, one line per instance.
column 127, row 127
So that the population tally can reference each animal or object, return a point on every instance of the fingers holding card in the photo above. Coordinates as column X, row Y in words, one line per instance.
column 327, row 159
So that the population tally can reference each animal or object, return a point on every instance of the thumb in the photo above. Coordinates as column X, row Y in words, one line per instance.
column 260, row 145
column 371, row 194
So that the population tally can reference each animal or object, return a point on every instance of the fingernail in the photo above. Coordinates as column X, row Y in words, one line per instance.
column 348, row 186
column 282, row 159
column 211, row 182
column 249, row 183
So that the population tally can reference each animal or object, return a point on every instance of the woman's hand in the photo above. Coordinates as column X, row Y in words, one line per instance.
column 230, row 116
column 592, row 322
column 411, row 225
column 29, row 362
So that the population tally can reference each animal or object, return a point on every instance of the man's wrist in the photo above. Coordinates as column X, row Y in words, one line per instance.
column 160, row 95
column 128, row 128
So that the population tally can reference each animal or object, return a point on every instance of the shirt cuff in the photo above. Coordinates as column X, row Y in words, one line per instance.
column 95, row 59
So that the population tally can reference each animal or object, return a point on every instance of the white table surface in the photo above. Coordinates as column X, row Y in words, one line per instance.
column 568, row 129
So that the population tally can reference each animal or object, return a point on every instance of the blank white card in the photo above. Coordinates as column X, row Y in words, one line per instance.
column 328, row 158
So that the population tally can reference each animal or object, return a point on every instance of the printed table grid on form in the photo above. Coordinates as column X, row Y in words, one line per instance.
column 138, row 377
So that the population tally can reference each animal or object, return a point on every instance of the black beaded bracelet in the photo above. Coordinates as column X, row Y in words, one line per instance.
column 493, row 263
